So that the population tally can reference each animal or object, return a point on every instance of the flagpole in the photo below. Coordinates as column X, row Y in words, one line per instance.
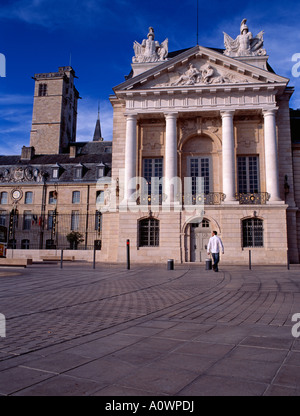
column 197, row 22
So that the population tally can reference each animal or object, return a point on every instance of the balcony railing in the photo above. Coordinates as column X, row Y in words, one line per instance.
column 257, row 198
column 211, row 198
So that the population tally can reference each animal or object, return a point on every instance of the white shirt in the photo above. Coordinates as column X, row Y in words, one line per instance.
column 215, row 245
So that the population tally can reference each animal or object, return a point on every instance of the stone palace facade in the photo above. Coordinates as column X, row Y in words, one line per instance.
column 201, row 141
column 219, row 115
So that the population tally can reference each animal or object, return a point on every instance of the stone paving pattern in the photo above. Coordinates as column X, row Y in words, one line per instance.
column 149, row 331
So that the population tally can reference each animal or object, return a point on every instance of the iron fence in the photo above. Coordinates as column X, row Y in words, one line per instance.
column 53, row 230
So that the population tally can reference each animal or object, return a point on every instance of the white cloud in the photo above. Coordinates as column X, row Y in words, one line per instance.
column 15, row 121
column 54, row 14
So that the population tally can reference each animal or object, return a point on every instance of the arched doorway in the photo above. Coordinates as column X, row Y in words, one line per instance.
column 197, row 237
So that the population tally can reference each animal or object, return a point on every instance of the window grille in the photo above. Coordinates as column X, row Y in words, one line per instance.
column 252, row 232
column 149, row 232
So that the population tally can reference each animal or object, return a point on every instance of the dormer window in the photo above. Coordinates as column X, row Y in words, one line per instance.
column 78, row 171
column 100, row 170
column 55, row 171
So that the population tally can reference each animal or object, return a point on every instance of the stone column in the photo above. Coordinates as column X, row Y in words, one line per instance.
column 170, row 154
column 228, row 156
column 271, row 155
column 130, row 156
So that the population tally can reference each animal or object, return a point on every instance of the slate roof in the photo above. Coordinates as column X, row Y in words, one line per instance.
column 89, row 155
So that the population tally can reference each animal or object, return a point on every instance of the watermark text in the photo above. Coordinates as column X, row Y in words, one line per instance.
column 2, row 65
column 296, row 327
column 2, row 326
column 296, row 67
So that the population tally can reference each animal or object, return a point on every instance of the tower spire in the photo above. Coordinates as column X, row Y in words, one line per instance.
column 97, row 133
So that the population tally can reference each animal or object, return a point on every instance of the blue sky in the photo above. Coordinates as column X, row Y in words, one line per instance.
column 41, row 35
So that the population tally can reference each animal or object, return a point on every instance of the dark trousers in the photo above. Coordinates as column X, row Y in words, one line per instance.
column 216, row 258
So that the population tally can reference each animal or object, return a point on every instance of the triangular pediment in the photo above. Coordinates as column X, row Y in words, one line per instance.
column 200, row 67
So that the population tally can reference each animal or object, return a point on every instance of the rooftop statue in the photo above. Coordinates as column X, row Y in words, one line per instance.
column 244, row 44
column 150, row 50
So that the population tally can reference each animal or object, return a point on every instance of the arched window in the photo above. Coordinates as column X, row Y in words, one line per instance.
column 252, row 232
column 149, row 232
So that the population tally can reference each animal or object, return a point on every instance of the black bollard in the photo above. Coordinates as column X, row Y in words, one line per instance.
column 170, row 264
column 250, row 260
column 128, row 254
column 61, row 259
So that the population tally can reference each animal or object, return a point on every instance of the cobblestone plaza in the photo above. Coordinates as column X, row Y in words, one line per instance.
column 149, row 331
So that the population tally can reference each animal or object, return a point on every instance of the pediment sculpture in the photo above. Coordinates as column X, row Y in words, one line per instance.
column 150, row 50
column 206, row 75
column 245, row 44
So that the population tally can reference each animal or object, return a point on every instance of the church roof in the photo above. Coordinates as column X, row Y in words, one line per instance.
column 97, row 133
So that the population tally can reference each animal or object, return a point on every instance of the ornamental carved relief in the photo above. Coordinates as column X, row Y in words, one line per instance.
column 202, row 73
column 198, row 125
column 21, row 174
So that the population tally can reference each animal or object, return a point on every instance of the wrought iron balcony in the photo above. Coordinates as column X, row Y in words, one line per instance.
column 211, row 198
column 151, row 199
column 257, row 198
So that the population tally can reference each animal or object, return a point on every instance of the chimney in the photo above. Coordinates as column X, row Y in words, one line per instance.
column 27, row 153
column 72, row 151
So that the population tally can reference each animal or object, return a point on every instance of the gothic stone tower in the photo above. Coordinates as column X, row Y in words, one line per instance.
column 54, row 111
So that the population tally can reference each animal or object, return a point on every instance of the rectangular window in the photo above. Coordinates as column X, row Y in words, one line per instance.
column 75, row 220
column 55, row 173
column 248, row 174
column 152, row 172
column 27, row 218
column 25, row 244
column 51, row 219
column 100, row 171
column 76, row 197
column 149, row 232
column 3, row 198
column 252, row 232
column 100, row 197
column 78, row 173
column 199, row 167
column 43, row 89
column 28, row 197
column 3, row 218
column 52, row 197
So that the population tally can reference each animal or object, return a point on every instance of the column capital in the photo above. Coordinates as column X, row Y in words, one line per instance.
column 171, row 115
column 227, row 113
column 269, row 111
column 131, row 116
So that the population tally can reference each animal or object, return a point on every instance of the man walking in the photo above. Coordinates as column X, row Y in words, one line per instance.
column 214, row 247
